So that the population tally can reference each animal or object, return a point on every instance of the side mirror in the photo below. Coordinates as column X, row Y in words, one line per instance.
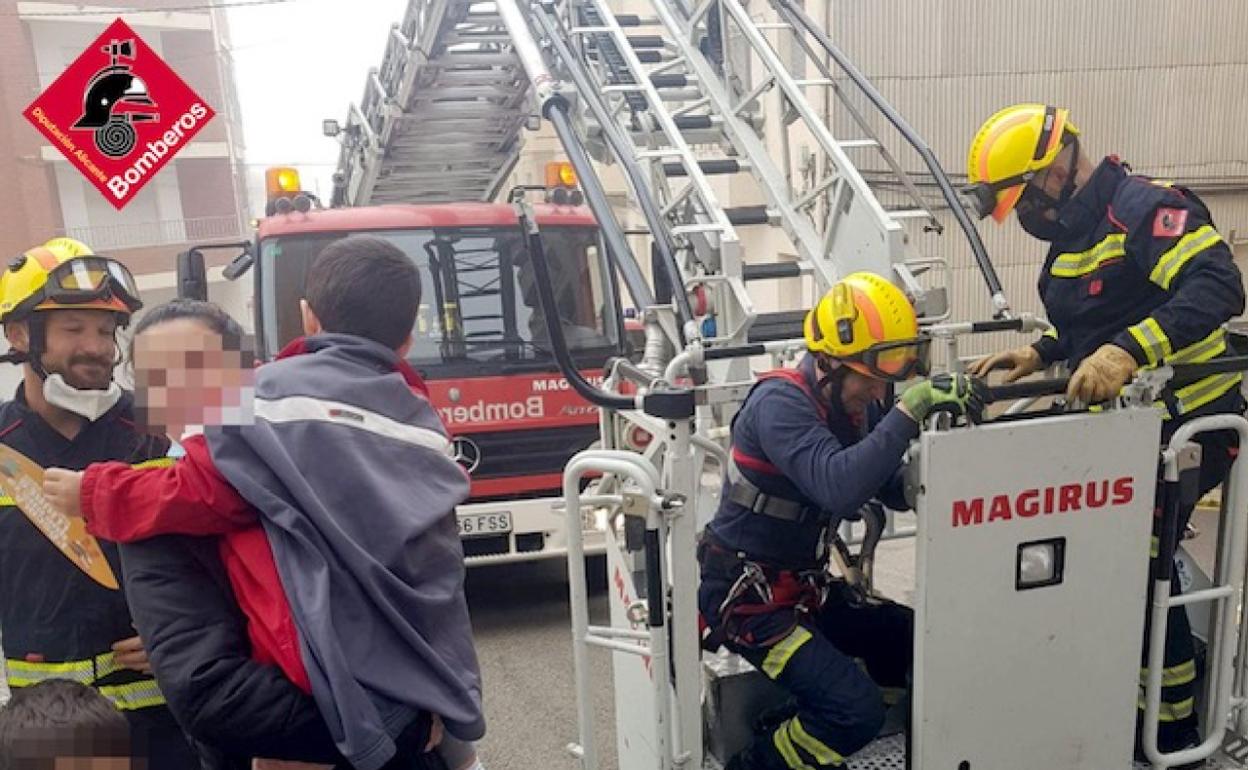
column 192, row 277
column 240, row 264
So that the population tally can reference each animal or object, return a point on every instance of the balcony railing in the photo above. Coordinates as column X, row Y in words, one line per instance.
column 171, row 231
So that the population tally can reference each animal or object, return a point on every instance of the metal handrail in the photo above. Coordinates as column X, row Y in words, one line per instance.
column 1228, row 578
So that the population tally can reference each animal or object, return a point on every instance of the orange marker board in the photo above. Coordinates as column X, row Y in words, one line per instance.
column 22, row 480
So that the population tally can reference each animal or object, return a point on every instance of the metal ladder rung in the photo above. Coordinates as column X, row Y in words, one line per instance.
column 772, row 270
column 672, row 81
column 707, row 227
column 646, row 42
column 623, row 88
column 694, row 122
column 813, row 82
column 853, row 144
column 645, row 56
column 713, row 166
column 773, row 25
column 910, row 214
column 590, row 31
column 633, row 20
column 662, row 152
column 749, row 215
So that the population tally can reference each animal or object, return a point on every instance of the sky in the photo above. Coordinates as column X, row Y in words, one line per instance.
column 297, row 63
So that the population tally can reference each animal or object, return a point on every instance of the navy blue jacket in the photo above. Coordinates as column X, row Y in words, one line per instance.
column 787, row 444
column 239, row 708
column 1143, row 268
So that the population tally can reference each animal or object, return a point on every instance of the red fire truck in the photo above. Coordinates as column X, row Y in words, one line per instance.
column 480, row 341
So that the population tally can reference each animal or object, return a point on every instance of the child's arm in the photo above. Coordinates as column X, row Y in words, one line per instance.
column 125, row 504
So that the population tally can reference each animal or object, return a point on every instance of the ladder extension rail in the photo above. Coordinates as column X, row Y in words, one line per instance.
column 855, row 231
column 698, row 188
column 620, row 143
column 796, row 15
column 448, row 74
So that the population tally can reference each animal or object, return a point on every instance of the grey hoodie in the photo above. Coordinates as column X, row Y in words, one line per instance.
column 351, row 470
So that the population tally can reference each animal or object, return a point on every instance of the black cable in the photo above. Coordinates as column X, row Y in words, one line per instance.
column 632, row 170
column 554, row 324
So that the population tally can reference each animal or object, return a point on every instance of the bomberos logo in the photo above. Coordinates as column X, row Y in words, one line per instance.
column 119, row 113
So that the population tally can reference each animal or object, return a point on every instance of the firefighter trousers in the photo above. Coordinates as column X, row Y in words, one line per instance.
column 841, row 665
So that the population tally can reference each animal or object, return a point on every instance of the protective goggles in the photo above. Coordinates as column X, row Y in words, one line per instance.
column 83, row 280
column 983, row 196
column 894, row 361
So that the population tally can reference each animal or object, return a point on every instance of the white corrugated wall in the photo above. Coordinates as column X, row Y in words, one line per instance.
column 1164, row 85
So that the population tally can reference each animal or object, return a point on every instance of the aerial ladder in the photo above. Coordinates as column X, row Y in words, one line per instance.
column 680, row 97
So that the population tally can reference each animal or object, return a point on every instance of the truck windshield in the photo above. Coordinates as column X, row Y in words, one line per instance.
column 478, row 298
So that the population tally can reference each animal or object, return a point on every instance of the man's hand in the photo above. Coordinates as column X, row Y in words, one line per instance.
column 1020, row 361
column 956, row 394
column 1101, row 375
column 130, row 654
column 64, row 490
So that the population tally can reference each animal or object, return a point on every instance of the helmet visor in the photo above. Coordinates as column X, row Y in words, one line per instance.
column 895, row 361
column 86, row 279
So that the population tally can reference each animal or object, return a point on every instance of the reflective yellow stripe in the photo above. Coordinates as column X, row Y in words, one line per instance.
column 778, row 656
column 822, row 753
column 1153, row 550
column 133, row 696
column 1171, row 263
column 1201, row 392
column 6, row 500
column 1198, row 352
column 1050, row 332
column 1172, row 712
column 159, row 462
column 1184, row 673
column 784, row 745
column 23, row 673
column 1152, row 340
column 1081, row 263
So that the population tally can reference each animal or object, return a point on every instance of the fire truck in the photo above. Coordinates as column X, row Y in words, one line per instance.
column 1029, row 545
column 480, row 340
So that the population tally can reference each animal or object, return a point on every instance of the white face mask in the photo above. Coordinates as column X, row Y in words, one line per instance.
column 91, row 404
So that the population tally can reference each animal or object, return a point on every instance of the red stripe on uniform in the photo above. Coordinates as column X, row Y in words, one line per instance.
column 754, row 463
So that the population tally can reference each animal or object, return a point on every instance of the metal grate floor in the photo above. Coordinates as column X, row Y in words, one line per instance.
column 885, row 754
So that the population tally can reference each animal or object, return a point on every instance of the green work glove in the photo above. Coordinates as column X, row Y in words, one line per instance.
column 956, row 394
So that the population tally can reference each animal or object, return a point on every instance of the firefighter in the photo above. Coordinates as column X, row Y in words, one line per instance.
column 1135, row 276
column 807, row 453
column 62, row 307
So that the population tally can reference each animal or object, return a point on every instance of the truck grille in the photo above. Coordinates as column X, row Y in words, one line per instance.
column 529, row 452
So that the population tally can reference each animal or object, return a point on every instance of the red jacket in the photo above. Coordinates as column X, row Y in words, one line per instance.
column 192, row 497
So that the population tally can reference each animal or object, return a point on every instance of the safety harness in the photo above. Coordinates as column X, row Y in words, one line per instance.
column 759, row 589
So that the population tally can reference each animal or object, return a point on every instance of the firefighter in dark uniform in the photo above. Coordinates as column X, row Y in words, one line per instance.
column 61, row 307
column 1136, row 276
column 806, row 454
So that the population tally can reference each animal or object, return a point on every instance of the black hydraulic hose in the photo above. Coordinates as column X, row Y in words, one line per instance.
column 795, row 11
column 1032, row 389
column 632, row 170
column 554, row 324
column 1186, row 374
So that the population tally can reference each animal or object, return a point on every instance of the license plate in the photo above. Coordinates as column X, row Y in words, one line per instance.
column 481, row 524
